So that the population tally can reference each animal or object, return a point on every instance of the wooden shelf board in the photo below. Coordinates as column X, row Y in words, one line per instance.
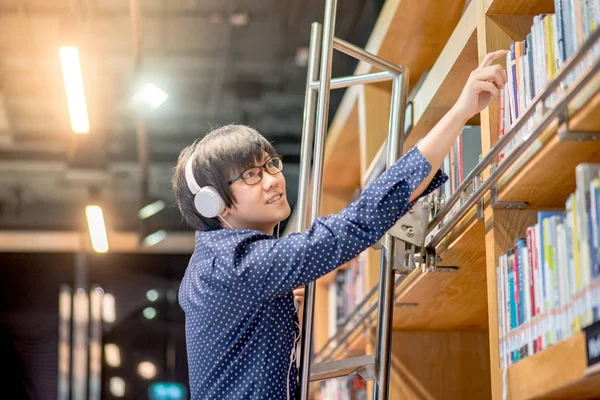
column 546, row 178
column 400, row 25
column 449, row 300
column 555, row 373
column 524, row 7
column 447, row 77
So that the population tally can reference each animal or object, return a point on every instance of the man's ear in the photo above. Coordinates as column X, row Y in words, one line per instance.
column 225, row 212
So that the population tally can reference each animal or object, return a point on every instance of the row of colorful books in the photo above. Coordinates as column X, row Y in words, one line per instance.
column 548, row 285
column 346, row 291
column 345, row 388
column 533, row 62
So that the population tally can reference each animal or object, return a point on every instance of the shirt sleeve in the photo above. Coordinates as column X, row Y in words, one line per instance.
column 277, row 266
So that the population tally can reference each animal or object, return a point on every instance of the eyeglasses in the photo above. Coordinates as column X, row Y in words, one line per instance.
column 255, row 174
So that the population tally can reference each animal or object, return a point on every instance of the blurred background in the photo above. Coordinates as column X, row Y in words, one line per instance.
column 97, row 99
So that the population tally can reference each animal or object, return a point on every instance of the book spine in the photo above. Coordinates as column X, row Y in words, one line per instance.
column 560, row 32
column 517, row 266
column 531, row 264
column 513, row 87
column 550, row 59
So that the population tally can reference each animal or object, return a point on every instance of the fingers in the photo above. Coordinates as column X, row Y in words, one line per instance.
column 490, row 57
column 299, row 294
column 487, row 87
column 493, row 73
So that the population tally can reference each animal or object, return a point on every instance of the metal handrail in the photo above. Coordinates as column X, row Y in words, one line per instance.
column 515, row 153
column 373, row 77
column 362, row 55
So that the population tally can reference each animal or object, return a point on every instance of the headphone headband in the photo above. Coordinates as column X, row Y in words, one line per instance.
column 189, row 176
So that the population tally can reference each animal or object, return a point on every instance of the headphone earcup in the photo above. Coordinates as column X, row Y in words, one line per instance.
column 209, row 203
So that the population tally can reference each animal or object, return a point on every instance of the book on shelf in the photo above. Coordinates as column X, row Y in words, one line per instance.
column 458, row 164
column 346, row 291
column 351, row 387
column 533, row 62
column 548, row 284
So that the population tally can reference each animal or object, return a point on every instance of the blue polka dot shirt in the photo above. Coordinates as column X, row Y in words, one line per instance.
column 240, row 318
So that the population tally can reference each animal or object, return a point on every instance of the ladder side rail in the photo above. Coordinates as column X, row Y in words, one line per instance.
column 386, row 275
column 319, row 155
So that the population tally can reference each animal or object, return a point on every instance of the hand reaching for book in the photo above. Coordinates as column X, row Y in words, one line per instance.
column 484, row 85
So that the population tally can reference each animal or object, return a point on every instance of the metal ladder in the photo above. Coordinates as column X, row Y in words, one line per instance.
column 402, row 246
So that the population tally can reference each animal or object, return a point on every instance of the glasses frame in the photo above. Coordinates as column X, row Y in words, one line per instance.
column 262, row 167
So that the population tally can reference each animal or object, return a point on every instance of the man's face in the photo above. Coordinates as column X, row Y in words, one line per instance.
column 260, row 206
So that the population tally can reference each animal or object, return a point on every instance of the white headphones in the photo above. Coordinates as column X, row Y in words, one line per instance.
column 207, row 200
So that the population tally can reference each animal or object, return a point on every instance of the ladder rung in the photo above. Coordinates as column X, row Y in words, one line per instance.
column 363, row 365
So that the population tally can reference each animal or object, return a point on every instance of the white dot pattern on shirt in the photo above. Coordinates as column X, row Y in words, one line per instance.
column 237, row 289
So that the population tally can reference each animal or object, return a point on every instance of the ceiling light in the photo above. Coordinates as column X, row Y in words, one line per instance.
column 154, row 238
column 151, row 208
column 149, row 312
column 239, row 19
column 112, row 354
column 117, row 386
column 152, row 295
column 95, row 219
column 149, row 97
column 147, row 370
column 69, row 57
column 108, row 308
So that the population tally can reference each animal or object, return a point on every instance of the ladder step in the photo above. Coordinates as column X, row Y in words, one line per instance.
column 363, row 365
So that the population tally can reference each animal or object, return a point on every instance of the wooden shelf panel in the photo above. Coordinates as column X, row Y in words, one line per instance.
column 449, row 300
column 400, row 25
column 546, row 178
column 447, row 77
column 555, row 373
column 524, row 7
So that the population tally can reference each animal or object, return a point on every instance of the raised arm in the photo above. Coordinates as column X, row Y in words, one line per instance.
column 279, row 265
column 482, row 87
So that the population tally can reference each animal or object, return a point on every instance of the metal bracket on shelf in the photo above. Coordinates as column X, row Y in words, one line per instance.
column 404, row 257
column 411, row 228
column 480, row 214
column 509, row 205
column 476, row 182
column 566, row 134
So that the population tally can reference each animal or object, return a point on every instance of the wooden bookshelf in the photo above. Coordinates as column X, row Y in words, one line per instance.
column 528, row 181
column 558, row 372
column 448, row 300
column 524, row 7
column 401, row 25
column 444, row 82
column 437, row 312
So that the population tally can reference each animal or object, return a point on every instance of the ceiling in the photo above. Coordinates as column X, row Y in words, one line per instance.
column 215, row 72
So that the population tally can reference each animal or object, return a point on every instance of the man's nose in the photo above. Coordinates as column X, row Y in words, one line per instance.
column 269, row 181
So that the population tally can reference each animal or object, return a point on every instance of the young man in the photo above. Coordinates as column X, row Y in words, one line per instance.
column 241, row 323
